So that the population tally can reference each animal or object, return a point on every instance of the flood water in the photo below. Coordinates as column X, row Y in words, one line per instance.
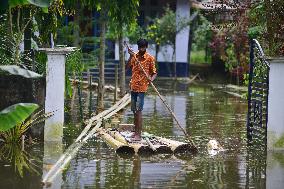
column 205, row 111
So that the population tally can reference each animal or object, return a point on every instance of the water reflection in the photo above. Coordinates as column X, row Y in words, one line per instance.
column 20, row 168
column 52, row 152
column 206, row 113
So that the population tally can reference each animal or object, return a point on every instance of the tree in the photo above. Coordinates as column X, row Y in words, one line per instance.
column 123, row 15
column 16, row 23
column 163, row 31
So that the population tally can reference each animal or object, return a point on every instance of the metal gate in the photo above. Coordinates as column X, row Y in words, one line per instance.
column 257, row 96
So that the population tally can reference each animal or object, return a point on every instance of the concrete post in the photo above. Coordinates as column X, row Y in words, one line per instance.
column 275, row 126
column 55, row 86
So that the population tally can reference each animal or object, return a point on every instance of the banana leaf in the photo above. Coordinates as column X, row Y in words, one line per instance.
column 39, row 3
column 16, row 70
column 16, row 114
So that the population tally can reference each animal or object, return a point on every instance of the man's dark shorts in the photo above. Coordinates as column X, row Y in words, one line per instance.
column 137, row 101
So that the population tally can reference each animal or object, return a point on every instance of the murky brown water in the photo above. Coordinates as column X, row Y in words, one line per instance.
column 204, row 111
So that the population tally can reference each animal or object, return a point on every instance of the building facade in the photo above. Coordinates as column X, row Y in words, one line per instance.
column 165, row 59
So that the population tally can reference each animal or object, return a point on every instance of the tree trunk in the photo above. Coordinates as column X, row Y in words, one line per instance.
column 157, row 51
column 27, row 36
column 175, row 61
column 102, row 65
column 122, row 66
column 76, row 42
column 267, row 7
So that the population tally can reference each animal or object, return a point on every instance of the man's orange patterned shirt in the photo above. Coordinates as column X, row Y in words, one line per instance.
column 139, row 82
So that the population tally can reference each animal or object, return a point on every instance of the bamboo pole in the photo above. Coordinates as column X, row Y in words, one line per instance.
column 73, row 148
column 116, row 83
column 102, row 114
column 150, row 144
column 80, row 102
column 66, row 157
column 178, row 147
column 163, row 100
column 118, row 146
column 117, row 136
column 90, row 95
column 94, row 84
column 138, row 147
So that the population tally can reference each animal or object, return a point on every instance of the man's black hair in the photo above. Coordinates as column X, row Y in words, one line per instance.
column 142, row 43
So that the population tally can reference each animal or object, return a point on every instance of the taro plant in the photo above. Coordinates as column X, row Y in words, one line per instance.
column 16, row 120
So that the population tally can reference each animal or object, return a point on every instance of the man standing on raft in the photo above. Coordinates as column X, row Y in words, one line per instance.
column 139, row 81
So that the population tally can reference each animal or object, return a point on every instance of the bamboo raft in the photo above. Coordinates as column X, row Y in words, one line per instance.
column 122, row 142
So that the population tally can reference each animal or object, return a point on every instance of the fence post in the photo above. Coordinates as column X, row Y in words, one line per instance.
column 116, row 83
column 90, row 94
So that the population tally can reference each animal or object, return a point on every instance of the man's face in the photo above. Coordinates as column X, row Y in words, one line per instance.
column 142, row 50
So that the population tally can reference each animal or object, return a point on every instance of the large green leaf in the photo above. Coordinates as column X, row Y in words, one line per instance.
column 15, row 114
column 14, row 3
column 16, row 70
column 39, row 3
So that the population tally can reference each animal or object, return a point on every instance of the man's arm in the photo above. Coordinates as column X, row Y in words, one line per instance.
column 153, row 71
column 131, row 53
column 153, row 77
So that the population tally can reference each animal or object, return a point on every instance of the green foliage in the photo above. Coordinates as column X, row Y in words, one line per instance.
column 40, row 62
column 39, row 3
column 6, row 42
column 163, row 30
column 14, row 115
column 122, row 16
column 255, row 31
column 280, row 142
column 135, row 33
column 74, row 67
column 198, row 57
column 266, row 18
column 65, row 34
column 14, row 134
column 202, row 34
column 230, row 57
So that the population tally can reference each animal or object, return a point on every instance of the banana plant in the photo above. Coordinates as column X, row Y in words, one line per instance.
column 39, row 3
column 16, row 120
column 16, row 114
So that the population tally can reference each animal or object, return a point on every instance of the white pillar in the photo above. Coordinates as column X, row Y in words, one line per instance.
column 52, row 152
column 55, row 86
column 275, row 126
column 274, row 170
column 116, row 50
column 182, row 38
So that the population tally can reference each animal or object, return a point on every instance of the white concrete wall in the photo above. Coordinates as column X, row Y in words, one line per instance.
column 182, row 38
column 275, row 127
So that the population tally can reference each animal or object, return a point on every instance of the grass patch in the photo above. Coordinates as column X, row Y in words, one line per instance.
column 198, row 57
